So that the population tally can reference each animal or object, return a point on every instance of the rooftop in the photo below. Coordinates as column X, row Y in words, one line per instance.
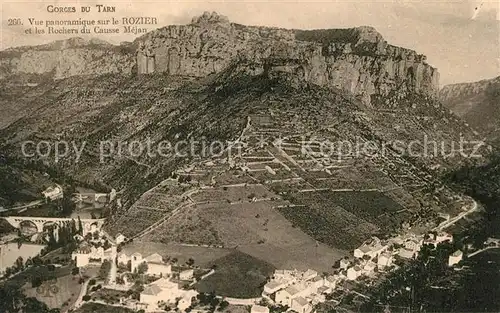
column 301, row 301
column 152, row 290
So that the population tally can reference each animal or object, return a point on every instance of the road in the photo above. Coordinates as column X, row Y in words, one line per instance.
column 82, row 293
column 456, row 218
column 29, row 205
column 482, row 250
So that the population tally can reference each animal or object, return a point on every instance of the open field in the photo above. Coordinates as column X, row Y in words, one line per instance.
column 345, row 218
column 64, row 294
column 203, row 256
column 237, row 275
column 256, row 228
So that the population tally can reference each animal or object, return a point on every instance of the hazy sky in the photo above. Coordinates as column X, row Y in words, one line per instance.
column 462, row 48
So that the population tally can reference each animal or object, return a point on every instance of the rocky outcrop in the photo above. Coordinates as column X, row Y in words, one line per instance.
column 66, row 58
column 356, row 60
column 478, row 103
column 460, row 97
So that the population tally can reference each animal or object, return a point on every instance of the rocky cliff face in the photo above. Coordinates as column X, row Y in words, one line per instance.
column 356, row 60
column 66, row 58
column 478, row 103
column 459, row 97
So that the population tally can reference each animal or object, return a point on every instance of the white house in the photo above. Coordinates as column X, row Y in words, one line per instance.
column 369, row 268
column 119, row 239
column 309, row 274
column 331, row 281
column 53, row 193
column 186, row 274
column 372, row 248
column 384, row 260
column 285, row 296
column 455, row 257
column 354, row 272
column 84, row 254
column 317, row 282
column 167, row 291
column 155, row 264
column 273, row 286
column 344, row 263
column 186, row 300
column 301, row 305
column 159, row 269
column 259, row 309
column 406, row 253
column 443, row 236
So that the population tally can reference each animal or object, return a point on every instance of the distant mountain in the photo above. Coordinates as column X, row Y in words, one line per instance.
column 477, row 103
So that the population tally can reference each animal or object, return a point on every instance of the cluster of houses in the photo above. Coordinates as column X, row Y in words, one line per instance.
column 298, row 290
column 164, row 290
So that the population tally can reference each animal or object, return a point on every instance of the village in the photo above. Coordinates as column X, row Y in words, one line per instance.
column 111, row 273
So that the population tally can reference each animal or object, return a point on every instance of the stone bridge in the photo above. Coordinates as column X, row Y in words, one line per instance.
column 89, row 225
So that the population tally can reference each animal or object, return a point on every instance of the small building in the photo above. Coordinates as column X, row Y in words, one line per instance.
column 369, row 268
column 186, row 274
column 406, row 253
column 370, row 248
column 384, row 260
column 443, row 236
column 285, row 296
column 159, row 269
column 273, row 286
column 120, row 238
column 331, row 281
column 301, row 305
column 344, row 263
column 259, row 309
column 455, row 257
column 53, row 193
column 354, row 272
column 309, row 274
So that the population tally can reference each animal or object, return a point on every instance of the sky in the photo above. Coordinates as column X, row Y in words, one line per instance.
column 463, row 43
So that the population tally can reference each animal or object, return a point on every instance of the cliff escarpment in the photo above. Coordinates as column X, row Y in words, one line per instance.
column 478, row 103
column 356, row 60
column 66, row 58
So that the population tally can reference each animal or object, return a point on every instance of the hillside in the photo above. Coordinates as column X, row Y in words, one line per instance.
column 320, row 119
column 477, row 103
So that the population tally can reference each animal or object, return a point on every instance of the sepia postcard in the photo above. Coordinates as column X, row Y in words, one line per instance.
column 253, row 156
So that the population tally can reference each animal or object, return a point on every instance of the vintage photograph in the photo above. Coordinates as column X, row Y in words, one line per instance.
column 254, row 156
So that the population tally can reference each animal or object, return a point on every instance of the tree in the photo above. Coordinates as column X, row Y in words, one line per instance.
column 19, row 264
column 190, row 262
column 75, row 271
column 29, row 262
column 142, row 268
column 80, row 226
column 104, row 270
column 86, row 298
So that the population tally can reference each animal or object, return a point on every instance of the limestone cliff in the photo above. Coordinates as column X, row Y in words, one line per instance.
column 478, row 103
column 65, row 58
column 356, row 60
